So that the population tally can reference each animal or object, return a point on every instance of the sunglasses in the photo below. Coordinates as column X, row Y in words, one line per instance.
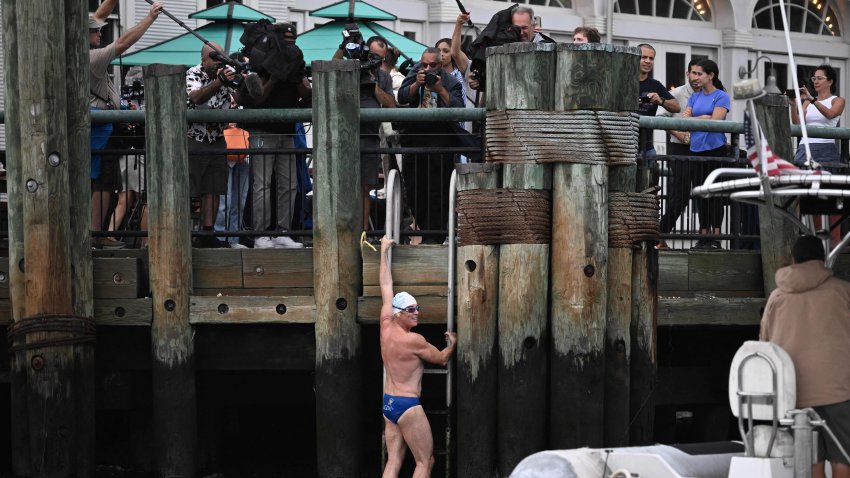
column 409, row 310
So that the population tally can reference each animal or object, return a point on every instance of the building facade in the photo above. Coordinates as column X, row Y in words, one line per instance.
column 734, row 33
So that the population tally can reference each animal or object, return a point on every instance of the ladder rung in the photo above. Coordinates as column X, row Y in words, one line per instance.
column 437, row 371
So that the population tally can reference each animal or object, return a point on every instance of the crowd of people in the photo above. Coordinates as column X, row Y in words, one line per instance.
column 442, row 77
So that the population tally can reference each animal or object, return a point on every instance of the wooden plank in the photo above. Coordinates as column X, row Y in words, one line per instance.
column 414, row 290
column 252, row 310
column 433, row 309
column 130, row 312
column 733, row 270
column 216, row 268
column 116, row 278
column 412, row 265
column 266, row 268
column 266, row 292
column 672, row 270
column 709, row 311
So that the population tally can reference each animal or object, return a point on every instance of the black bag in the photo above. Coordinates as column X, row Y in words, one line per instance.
column 270, row 53
column 500, row 31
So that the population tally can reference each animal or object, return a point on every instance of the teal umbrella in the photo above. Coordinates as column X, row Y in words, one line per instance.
column 323, row 41
column 227, row 27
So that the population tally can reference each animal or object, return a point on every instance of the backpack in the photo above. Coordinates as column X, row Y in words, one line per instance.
column 270, row 54
column 500, row 31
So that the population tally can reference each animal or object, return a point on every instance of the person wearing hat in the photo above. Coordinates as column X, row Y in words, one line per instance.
column 105, row 176
column 278, row 92
column 404, row 354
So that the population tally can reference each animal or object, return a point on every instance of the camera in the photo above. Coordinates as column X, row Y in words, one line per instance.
column 354, row 48
column 644, row 100
column 431, row 78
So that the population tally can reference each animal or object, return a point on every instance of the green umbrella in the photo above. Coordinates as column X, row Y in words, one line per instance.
column 185, row 49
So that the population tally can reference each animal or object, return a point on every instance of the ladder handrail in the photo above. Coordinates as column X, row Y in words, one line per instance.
column 450, row 309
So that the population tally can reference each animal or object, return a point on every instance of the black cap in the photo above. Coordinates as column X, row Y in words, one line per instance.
column 285, row 28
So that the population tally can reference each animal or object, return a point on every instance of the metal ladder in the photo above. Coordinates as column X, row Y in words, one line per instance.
column 393, row 228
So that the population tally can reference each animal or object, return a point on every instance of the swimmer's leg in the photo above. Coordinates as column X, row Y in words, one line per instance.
column 417, row 434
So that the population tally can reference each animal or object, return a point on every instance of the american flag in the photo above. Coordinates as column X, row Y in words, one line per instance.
column 775, row 164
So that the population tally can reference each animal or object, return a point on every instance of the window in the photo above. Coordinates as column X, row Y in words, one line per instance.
column 212, row 3
column 675, row 71
column 410, row 35
column 699, row 10
column 804, row 16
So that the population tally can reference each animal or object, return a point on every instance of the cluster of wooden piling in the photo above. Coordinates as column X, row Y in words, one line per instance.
column 556, row 339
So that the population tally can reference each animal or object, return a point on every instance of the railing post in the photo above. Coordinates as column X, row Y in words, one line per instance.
column 337, row 223
column 172, row 343
column 777, row 233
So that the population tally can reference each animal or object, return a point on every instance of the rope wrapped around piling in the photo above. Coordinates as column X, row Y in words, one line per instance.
column 633, row 217
column 59, row 330
column 582, row 136
column 504, row 216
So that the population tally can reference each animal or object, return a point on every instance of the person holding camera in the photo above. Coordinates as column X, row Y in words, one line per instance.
column 427, row 176
column 652, row 95
column 207, row 88
column 284, row 89
column 105, row 176
column 822, row 109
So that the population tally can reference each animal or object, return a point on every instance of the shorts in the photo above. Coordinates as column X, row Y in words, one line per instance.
column 208, row 170
column 109, row 179
column 370, row 166
column 821, row 152
column 133, row 173
column 837, row 417
column 394, row 407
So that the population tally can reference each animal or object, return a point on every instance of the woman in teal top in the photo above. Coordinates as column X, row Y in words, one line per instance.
column 711, row 102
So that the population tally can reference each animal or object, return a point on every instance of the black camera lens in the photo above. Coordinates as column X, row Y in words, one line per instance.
column 430, row 78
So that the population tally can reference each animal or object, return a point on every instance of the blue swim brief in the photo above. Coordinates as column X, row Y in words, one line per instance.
column 394, row 407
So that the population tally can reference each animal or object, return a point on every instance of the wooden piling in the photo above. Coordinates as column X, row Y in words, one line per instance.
column 777, row 233
column 579, row 277
column 617, row 326
column 17, row 289
column 82, row 276
column 524, row 78
column 477, row 302
column 337, row 224
column 643, row 330
column 172, row 343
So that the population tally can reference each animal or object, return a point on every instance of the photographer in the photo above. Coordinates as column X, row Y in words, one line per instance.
column 427, row 176
column 279, row 91
column 105, row 176
column 206, row 87
column 429, row 86
column 652, row 95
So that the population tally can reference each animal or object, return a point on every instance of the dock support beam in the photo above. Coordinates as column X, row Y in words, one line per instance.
column 336, row 258
column 776, row 232
column 523, row 80
column 477, row 303
column 172, row 343
column 51, row 338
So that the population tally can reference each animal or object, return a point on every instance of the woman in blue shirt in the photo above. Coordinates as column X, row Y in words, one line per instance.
column 711, row 102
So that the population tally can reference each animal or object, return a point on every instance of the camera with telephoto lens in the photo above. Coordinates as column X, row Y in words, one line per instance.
column 354, row 48
column 232, row 65
column 431, row 78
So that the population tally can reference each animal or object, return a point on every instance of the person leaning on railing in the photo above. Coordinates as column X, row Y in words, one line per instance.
column 823, row 109
column 712, row 103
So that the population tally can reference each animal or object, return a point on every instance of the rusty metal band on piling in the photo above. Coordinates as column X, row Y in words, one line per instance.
column 632, row 218
column 583, row 137
column 504, row 216
column 77, row 330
